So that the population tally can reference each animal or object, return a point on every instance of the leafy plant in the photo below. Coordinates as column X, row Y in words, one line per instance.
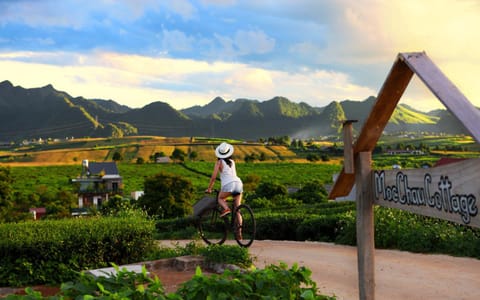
column 273, row 282
column 227, row 254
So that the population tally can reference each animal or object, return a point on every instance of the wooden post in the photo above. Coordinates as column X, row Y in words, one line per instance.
column 348, row 161
column 365, row 226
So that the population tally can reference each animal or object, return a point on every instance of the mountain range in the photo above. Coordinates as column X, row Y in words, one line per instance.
column 48, row 113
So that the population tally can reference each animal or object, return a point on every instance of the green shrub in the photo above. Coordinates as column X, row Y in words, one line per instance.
column 276, row 202
column 278, row 226
column 270, row 189
column 160, row 252
column 273, row 282
column 261, row 202
column 52, row 251
column 321, row 228
column 397, row 229
column 312, row 192
column 346, row 229
column 227, row 254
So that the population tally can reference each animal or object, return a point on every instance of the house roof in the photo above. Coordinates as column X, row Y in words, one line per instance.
column 447, row 160
column 38, row 210
column 108, row 168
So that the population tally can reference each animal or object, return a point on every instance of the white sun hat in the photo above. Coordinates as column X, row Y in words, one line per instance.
column 224, row 150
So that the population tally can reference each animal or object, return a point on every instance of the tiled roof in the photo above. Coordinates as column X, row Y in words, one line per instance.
column 109, row 168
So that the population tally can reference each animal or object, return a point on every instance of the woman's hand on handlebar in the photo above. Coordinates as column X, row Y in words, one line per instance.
column 209, row 191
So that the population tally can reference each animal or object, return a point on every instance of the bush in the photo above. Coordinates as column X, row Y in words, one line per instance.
column 52, row 251
column 312, row 192
column 227, row 254
column 278, row 226
column 277, row 202
column 321, row 228
column 270, row 189
column 273, row 282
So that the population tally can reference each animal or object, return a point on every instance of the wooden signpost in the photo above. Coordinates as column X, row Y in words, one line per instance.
column 450, row 192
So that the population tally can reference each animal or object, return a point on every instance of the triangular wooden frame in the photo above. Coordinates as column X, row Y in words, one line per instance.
column 405, row 66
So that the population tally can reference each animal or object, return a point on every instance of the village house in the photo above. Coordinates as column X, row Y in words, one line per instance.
column 38, row 212
column 97, row 182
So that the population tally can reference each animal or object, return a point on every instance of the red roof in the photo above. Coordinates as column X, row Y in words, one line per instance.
column 447, row 160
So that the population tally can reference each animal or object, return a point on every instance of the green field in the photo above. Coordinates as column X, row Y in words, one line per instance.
column 52, row 165
column 58, row 177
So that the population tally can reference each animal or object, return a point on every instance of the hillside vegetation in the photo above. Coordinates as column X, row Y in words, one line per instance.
column 46, row 113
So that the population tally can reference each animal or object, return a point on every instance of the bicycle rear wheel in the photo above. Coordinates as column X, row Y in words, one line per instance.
column 244, row 226
column 212, row 228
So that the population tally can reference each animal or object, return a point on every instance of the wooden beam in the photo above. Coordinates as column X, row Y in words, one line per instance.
column 388, row 97
column 365, row 227
column 348, row 161
column 387, row 100
column 445, row 91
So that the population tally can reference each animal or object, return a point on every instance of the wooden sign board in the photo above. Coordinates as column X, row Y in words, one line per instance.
column 449, row 192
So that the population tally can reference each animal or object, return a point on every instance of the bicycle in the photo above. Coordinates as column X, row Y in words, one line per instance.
column 213, row 229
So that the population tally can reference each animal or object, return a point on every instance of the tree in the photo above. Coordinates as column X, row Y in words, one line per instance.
column 262, row 157
column 117, row 156
column 312, row 157
column 178, row 155
column 250, row 157
column 193, row 155
column 167, row 196
column 154, row 157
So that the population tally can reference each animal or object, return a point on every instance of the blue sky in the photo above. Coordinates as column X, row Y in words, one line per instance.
column 186, row 53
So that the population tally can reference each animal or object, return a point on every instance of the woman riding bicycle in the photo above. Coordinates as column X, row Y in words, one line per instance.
column 231, row 184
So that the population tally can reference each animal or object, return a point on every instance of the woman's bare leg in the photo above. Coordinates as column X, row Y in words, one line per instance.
column 237, row 200
column 222, row 197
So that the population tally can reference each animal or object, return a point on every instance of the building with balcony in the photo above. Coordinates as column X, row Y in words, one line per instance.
column 97, row 182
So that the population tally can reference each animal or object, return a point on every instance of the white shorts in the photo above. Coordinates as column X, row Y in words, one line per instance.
column 234, row 187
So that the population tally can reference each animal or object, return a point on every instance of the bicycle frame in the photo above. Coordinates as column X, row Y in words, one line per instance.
column 213, row 232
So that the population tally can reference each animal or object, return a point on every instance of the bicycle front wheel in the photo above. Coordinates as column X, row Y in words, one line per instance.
column 244, row 225
column 212, row 228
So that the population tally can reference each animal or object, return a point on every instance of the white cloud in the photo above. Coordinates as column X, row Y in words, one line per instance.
column 306, row 50
column 138, row 80
column 256, row 42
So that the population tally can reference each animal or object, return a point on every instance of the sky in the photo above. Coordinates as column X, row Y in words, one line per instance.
column 187, row 52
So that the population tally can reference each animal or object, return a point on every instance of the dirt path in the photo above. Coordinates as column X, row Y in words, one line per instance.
column 398, row 275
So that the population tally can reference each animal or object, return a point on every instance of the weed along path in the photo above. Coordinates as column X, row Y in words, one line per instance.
column 399, row 275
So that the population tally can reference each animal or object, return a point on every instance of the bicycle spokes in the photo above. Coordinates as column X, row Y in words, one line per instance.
column 212, row 228
column 244, row 225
